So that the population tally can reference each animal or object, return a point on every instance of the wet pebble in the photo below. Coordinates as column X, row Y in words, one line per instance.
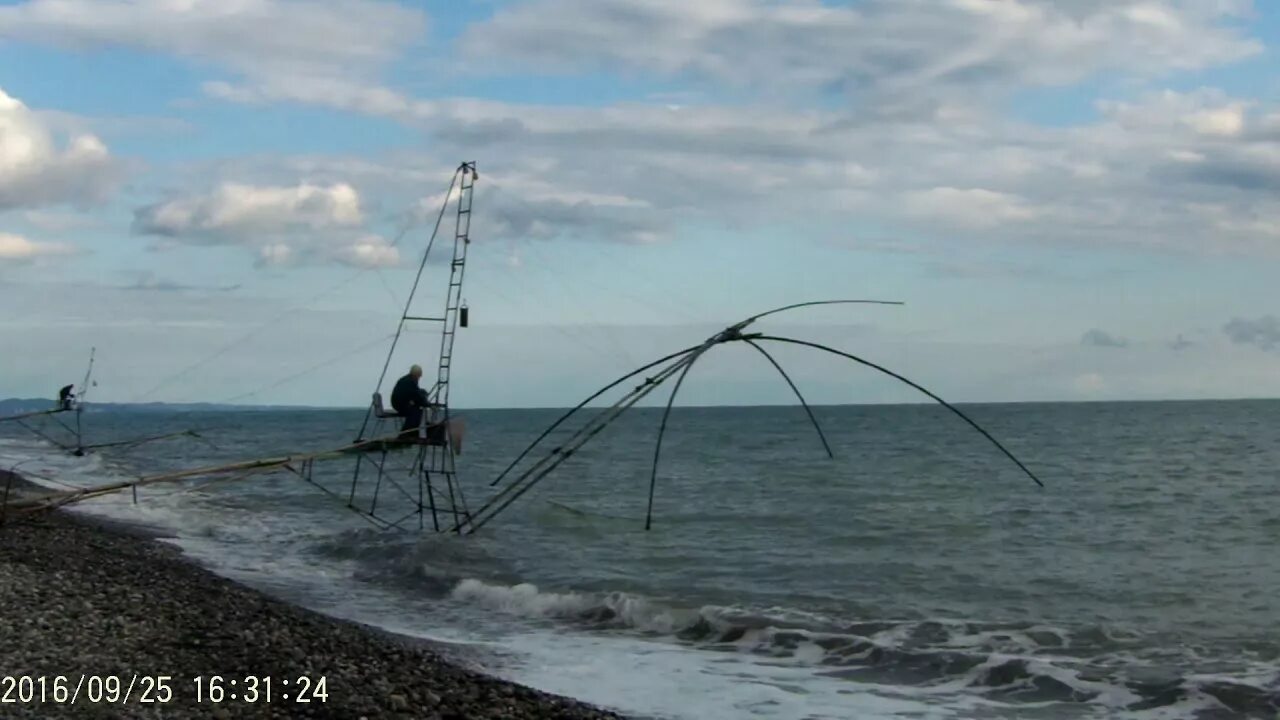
column 81, row 597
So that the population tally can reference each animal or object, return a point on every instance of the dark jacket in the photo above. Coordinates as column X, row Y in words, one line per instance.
column 407, row 394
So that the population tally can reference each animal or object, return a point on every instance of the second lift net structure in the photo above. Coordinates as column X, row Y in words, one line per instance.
column 402, row 472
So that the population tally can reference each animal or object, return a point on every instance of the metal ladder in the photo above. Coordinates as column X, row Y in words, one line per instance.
column 436, row 462
column 453, row 295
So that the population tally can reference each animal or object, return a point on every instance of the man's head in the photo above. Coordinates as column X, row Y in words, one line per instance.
column 416, row 371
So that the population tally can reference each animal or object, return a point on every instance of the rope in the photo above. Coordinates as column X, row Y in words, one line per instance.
column 308, row 371
column 252, row 333
column 43, row 436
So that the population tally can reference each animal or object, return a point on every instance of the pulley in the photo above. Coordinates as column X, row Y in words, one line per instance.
column 462, row 315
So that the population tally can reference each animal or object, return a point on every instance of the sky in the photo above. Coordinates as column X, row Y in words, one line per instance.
column 228, row 199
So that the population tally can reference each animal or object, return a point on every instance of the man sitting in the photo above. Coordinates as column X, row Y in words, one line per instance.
column 409, row 401
column 66, row 398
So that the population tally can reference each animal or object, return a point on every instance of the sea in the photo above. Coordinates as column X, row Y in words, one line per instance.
column 918, row 573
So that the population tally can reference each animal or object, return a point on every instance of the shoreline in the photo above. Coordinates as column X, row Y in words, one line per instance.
column 97, row 597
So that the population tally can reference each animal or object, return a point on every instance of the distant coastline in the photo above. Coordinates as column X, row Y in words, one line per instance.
column 11, row 406
column 20, row 405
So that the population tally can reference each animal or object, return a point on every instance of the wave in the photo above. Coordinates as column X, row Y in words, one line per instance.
column 1019, row 663
column 1091, row 669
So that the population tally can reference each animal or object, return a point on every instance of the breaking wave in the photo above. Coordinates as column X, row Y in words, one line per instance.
column 1011, row 663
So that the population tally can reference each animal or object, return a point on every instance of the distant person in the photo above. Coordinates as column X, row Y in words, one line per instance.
column 409, row 400
column 65, row 398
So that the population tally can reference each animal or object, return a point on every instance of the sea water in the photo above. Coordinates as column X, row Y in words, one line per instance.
column 917, row 574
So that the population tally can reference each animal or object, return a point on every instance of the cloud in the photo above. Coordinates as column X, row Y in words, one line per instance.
column 18, row 249
column 974, row 207
column 1141, row 174
column 885, row 48
column 519, row 205
column 149, row 282
column 370, row 251
column 516, row 216
column 266, row 40
column 275, row 254
column 117, row 126
column 1089, row 384
column 1263, row 332
column 35, row 171
column 282, row 224
column 1187, row 171
column 1099, row 338
column 60, row 222
column 234, row 208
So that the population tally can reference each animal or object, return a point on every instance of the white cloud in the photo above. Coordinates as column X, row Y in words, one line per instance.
column 283, row 225
column 18, row 249
column 261, row 39
column 235, row 208
column 1141, row 174
column 370, row 251
column 973, row 207
column 916, row 144
column 35, row 171
column 1089, row 384
column 1224, row 122
column 275, row 254
column 55, row 221
column 888, row 46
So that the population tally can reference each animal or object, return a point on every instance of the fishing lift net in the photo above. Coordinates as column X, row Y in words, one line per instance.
column 403, row 477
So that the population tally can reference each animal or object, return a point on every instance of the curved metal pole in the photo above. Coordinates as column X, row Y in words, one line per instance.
column 662, row 430
column 582, row 404
column 753, row 318
column 528, row 480
column 895, row 375
column 796, row 390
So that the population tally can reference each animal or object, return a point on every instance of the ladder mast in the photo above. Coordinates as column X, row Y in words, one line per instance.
column 453, row 295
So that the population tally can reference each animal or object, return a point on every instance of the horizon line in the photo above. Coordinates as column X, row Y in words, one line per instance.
column 1082, row 401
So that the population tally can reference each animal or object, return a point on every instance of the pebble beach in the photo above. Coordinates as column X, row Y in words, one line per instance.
column 83, row 597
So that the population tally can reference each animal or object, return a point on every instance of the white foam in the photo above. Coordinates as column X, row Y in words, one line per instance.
column 526, row 600
column 667, row 681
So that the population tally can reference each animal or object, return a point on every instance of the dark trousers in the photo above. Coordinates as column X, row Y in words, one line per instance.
column 412, row 419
